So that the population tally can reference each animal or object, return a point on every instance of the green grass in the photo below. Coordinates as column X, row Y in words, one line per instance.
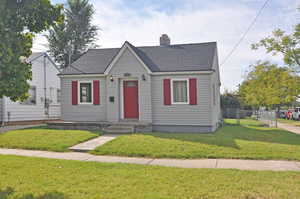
column 44, row 139
column 250, row 140
column 37, row 178
column 292, row 122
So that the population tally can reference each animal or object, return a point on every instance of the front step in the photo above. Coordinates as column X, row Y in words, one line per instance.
column 119, row 129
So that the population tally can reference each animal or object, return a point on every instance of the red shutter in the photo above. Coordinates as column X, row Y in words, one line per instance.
column 167, row 92
column 96, row 92
column 74, row 92
column 193, row 91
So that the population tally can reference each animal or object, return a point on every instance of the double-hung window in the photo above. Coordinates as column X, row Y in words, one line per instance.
column 31, row 100
column 180, row 91
column 85, row 92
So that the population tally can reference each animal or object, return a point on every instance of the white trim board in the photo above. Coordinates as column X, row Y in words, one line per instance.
column 83, row 75
column 188, row 90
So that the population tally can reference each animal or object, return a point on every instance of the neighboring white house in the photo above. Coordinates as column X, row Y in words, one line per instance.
column 45, row 84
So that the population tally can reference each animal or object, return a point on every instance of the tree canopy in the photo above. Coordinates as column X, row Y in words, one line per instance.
column 20, row 20
column 70, row 39
column 286, row 44
column 269, row 85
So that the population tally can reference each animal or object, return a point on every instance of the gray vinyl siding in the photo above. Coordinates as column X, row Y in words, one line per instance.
column 128, row 63
column 82, row 112
column 182, row 128
column 182, row 114
column 216, row 108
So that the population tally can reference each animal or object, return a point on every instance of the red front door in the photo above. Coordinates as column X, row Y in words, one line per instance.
column 131, row 99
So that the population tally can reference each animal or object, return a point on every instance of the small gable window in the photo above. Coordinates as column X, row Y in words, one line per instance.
column 180, row 91
column 85, row 92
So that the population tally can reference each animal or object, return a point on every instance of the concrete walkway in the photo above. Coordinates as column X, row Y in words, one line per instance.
column 16, row 127
column 182, row 163
column 289, row 127
column 93, row 143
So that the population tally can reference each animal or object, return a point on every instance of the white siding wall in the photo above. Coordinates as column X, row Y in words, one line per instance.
column 182, row 114
column 20, row 112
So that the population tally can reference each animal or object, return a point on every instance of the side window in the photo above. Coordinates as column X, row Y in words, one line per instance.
column 214, row 94
column 31, row 100
column 51, row 94
column 58, row 96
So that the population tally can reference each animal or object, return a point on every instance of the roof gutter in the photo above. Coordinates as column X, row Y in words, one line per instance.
column 153, row 73
column 82, row 75
column 184, row 72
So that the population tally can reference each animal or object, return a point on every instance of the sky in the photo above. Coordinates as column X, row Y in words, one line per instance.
column 141, row 22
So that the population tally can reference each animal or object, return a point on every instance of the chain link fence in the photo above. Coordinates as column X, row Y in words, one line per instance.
column 267, row 117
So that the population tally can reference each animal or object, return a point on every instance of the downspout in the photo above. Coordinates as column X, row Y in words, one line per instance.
column 45, row 88
column 3, row 111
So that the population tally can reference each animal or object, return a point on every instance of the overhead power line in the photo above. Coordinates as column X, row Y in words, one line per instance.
column 245, row 33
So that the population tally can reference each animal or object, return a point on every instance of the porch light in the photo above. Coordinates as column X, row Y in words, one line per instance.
column 111, row 78
column 143, row 77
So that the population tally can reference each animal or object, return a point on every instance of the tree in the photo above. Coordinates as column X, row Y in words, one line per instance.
column 286, row 44
column 230, row 100
column 20, row 20
column 69, row 40
column 270, row 86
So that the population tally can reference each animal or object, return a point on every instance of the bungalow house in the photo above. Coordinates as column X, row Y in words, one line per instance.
column 172, row 88
column 44, row 95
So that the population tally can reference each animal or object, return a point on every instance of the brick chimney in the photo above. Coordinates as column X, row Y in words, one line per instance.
column 164, row 40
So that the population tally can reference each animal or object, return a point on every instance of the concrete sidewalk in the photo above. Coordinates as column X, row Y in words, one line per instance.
column 289, row 127
column 93, row 143
column 272, row 165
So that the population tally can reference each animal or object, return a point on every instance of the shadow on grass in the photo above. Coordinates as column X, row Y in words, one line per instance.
column 227, row 136
column 45, row 127
column 6, row 193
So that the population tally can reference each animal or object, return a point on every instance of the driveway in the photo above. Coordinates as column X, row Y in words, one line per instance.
column 16, row 127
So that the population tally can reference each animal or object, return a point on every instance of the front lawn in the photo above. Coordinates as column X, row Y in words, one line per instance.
column 250, row 140
column 292, row 122
column 44, row 139
column 37, row 178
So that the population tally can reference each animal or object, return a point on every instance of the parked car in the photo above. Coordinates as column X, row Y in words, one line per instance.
column 282, row 114
column 296, row 113
column 288, row 114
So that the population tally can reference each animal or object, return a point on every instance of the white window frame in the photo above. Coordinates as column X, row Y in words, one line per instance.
column 188, row 90
column 92, row 93
column 26, row 102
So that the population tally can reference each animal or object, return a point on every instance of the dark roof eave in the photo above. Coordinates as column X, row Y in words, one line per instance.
column 179, row 71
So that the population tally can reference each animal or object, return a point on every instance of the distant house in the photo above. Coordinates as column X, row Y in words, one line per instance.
column 173, row 88
column 44, row 100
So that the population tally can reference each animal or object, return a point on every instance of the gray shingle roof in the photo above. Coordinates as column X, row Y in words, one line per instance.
column 179, row 57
